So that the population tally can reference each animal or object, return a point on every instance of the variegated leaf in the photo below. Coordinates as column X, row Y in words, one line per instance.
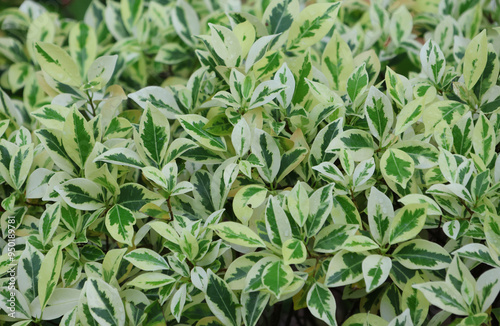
column 238, row 234
column 321, row 303
column 146, row 259
column 422, row 254
column 376, row 269
column 120, row 224
column 57, row 63
column 222, row 301
column 104, row 303
column 397, row 166
column 407, row 223
column 444, row 296
column 345, row 268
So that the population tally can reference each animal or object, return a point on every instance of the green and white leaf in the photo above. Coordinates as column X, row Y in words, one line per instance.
column 444, row 296
column 253, row 305
column 376, row 269
column 57, row 63
column 194, row 126
column 321, row 303
column 238, row 234
column 120, row 223
column 146, row 259
column 161, row 98
column 104, row 302
column 433, row 61
column 422, row 254
column 222, row 301
column 475, row 59
column 81, row 194
column 276, row 277
column 345, row 268
column 50, row 270
column 294, row 251
column 407, row 223
column 397, row 166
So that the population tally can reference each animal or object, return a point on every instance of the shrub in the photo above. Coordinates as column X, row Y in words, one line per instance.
column 207, row 162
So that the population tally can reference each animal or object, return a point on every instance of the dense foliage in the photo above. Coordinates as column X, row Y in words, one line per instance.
column 205, row 162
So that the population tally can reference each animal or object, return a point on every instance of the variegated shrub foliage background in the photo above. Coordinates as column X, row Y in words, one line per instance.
column 203, row 162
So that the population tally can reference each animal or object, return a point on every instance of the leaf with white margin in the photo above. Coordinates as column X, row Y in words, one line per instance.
column 365, row 318
column 50, row 270
column 376, row 269
column 267, row 151
column 49, row 222
column 433, row 61
column 241, row 137
column 285, row 76
column 120, row 223
column 415, row 301
column 320, row 207
column 424, row 155
column 265, row 92
column 484, row 139
column 345, row 268
column 409, row 115
column 312, row 25
column 238, row 234
column 277, row 224
column 21, row 305
column 101, row 71
column 81, row 194
column 363, row 171
column 444, row 296
column 380, row 215
column 258, row 50
column 178, row 301
column 105, row 304
column 222, row 301
column 194, row 125
column 407, row 223
column 397, row 166
column 161, row 98
column 451, row 229
column 487, row 288
column 226, row 45
column 331, row 171
column 337, row 64
column 403, row 319
column 475, row 59
column 357, row 82
column 57, row 63
column 253, row 304
column 276, row 277
column 298, row 203
column 146, row 259
column 20, row 165
column 359, row 143
column 331, row 238
column 246, row 200
column 294, row 251
column 422, row 254
column 492, row 231
column 121, row 156
column 321, row 303
column 185, row 22
column 154, row 133
column 359, row 243
column 401, row 25
column 239, row 268
column 379, row 113
column 478, row 252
